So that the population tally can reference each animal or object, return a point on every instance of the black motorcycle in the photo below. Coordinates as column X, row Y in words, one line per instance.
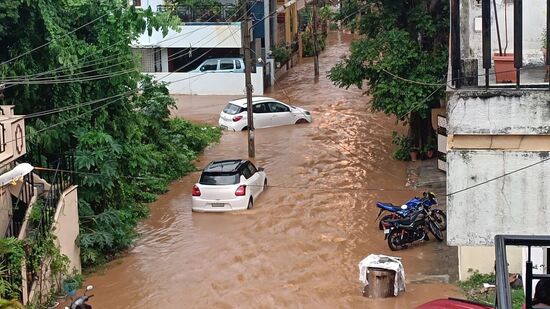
column 402, row 232
column 80, row 303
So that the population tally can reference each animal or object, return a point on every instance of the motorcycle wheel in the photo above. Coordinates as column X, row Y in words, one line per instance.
column 435, row 230
column 385, row 218
column 440, row 218
column 394, row 241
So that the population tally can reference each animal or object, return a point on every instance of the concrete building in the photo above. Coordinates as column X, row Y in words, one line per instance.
column 206, row 32
column 498, row 129
column 21, row 189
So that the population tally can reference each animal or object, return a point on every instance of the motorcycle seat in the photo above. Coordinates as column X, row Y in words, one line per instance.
column 388, row 206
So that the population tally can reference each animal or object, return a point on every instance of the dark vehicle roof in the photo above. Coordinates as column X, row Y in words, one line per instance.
column 225, row 166
column 452, row 303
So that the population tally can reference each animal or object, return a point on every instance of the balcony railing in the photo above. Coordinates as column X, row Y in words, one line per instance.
column 203, row 13
column 498, row 47
column 504, row 298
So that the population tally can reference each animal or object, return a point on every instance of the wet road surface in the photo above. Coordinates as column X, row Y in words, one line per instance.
column 301, row 243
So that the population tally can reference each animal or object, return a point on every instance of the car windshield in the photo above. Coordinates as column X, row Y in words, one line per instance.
column 232, row 109
column 219, row 178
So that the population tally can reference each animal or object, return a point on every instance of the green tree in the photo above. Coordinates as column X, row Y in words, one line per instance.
column 126, row 148
column 402, row 51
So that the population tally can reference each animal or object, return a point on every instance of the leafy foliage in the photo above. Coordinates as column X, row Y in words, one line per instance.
column 308, row 48
column 127, row 150
column 401, row 42
column 12, row 255
column 281, row 54
column 403, row 143
column 473, row 288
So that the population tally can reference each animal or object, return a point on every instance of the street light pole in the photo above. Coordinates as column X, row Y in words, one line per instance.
column 248, row 83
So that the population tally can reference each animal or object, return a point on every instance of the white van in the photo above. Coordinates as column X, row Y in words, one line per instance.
column 222, row 65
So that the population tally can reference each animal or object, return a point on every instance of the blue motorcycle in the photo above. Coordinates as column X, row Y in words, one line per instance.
column 405, row 210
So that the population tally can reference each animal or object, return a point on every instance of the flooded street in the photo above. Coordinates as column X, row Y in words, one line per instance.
column 301, row 243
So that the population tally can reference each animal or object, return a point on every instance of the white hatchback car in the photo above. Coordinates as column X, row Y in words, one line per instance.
column 228, row 185
column 268, row 112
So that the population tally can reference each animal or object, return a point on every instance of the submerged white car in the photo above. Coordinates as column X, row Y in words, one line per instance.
column 228, row 185
column 268, row 112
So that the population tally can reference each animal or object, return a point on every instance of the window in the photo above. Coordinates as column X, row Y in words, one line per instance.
column 219, row 179
column 233, row 109
column 226, row 64
column 278, row 107
column 237, row 64
column 246, row 172
column 252, row 169
column 210, row 65
column 260, row 108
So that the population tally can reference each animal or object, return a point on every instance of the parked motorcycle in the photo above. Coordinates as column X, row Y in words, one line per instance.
column 400, row 212
column 80, row 303
column 402, row 232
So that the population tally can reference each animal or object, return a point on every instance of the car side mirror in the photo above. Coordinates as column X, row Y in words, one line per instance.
column 260, row 169
column 201, row 69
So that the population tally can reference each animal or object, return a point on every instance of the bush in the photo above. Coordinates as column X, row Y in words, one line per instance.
column 281, row 54
column 404, row 147
column 473, row 288
column 307, row 43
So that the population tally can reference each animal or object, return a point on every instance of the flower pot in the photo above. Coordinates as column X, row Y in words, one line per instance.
column 430, row 153
column 70, row 287
column 504, row 68
column 414, row 155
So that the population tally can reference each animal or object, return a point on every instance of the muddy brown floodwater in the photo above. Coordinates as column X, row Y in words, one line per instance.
column 301, row 243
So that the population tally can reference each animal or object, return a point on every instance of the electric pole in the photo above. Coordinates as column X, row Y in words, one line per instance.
column 315, row 46
column 248, row 82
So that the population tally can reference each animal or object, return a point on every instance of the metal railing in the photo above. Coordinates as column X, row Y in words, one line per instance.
column 460, row 76
column 20, row 206
column 202, row 13
column 504, row 295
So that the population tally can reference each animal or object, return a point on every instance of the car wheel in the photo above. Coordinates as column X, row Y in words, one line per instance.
column 250, row 204
column 265, row 184
column 245, row 128
column 301, row 120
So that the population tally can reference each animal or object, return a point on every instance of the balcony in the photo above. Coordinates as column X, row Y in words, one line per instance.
column 203, row 13
column 499, row 44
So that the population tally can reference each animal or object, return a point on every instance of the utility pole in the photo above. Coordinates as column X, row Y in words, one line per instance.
column 315, row 47
column 248, row 82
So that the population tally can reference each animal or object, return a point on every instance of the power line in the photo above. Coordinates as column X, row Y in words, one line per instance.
column 48, row 43
column 107, row 57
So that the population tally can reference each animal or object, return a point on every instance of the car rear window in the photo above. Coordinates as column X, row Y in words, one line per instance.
column 232, row 109
column 219, row 178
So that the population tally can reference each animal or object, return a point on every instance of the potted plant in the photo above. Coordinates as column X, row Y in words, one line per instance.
column 504, row 62
column 413, row 152
column 430, row 147
column 403, row 150
column 72, row 283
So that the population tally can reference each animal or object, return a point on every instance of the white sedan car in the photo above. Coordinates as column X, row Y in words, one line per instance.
column 268, row 112
column 228, row 185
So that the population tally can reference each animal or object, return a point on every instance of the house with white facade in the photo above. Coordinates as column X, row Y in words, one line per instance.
column 498, row 127
column 206, row 32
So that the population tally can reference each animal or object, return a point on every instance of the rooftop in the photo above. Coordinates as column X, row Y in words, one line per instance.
column 225, row 166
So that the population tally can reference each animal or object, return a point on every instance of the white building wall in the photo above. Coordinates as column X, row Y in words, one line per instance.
column 499, row 112
column 515, row 204
column 211, row 83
